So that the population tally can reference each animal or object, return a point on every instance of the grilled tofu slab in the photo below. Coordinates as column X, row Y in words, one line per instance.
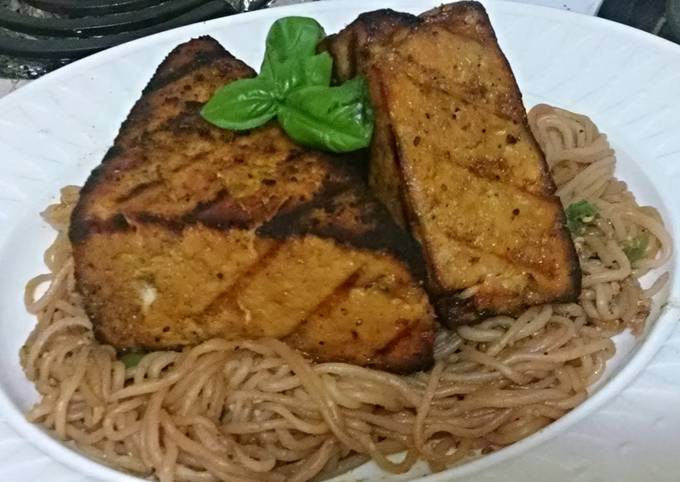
column 187, row 232
column 454, row 160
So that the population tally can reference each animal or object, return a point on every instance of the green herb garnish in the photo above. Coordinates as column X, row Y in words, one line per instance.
column 290, row 57
column 294, row 86
column 635, row 248
column 578, row 214
column 132, row 358
column 332, row 118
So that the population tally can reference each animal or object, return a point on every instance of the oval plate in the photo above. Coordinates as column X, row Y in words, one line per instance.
column 55, row 130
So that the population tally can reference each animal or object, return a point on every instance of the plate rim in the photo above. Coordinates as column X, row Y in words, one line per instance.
column 661, row 328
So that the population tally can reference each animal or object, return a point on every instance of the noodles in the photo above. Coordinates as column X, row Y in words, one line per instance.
column 258, row 410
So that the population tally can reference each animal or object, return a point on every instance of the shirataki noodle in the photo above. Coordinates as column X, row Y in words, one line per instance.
column 258, row 410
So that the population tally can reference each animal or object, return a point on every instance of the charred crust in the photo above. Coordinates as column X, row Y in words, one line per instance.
column 79, row 229
column 457, row 8
column 388, row 239
column 186, row 59
column 97, row 174
column 137, row 190
column 289, row 222
column 353, row 47
column 119, row 222
column 373, row 228
column 384, row 21
column 352, row 41
column 410, row 351
column 222, row 213
column 453, row 311
column 113, row 152
column 172, row 225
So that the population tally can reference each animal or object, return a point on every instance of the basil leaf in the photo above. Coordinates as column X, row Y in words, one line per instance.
column 288, row 75
column 242, row 104
column 318, row 69
column 578, row 214
column 298, row 72
column 290, row 37
column 338, row 119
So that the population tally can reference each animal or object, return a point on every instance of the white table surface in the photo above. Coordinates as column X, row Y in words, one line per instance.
column 635, row 437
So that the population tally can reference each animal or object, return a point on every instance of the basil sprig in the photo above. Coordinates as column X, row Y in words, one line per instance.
column 294, row 86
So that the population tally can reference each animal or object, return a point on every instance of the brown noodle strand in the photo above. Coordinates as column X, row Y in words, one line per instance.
column 258, row 410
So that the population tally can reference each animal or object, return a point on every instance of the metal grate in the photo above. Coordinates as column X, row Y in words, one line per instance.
column 659, row 17
column 37, row 36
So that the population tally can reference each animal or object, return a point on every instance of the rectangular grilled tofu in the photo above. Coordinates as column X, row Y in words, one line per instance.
column 187, row 232
column 454, row 160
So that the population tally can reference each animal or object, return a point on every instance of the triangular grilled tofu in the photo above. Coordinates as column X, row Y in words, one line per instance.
column 454, row 160
column 187, row 232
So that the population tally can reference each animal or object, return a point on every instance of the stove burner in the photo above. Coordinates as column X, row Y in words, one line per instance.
column 660, row 17
column 40, row 35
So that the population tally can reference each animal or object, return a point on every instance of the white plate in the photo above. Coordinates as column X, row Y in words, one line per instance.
column 53, row 131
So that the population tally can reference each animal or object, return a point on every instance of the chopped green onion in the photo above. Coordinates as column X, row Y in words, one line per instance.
column 131, row 359
column 635, row 248
column 578, row 214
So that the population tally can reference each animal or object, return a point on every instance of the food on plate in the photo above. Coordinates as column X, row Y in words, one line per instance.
column 187, row 232
column 228, row 238
column 454, row 159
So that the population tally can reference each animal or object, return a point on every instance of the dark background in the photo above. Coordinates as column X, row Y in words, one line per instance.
column 660, row 17
column 37, row 36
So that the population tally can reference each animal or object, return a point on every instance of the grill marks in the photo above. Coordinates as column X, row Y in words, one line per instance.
column 361, row 306
column 165, row 135
column 229, row 296
column 137, row 190
column 339, row 294
column 365, row 225
column 205, row 181
column 496, row 173
column 501, row 130
column 273, row 304
column 350, row 217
